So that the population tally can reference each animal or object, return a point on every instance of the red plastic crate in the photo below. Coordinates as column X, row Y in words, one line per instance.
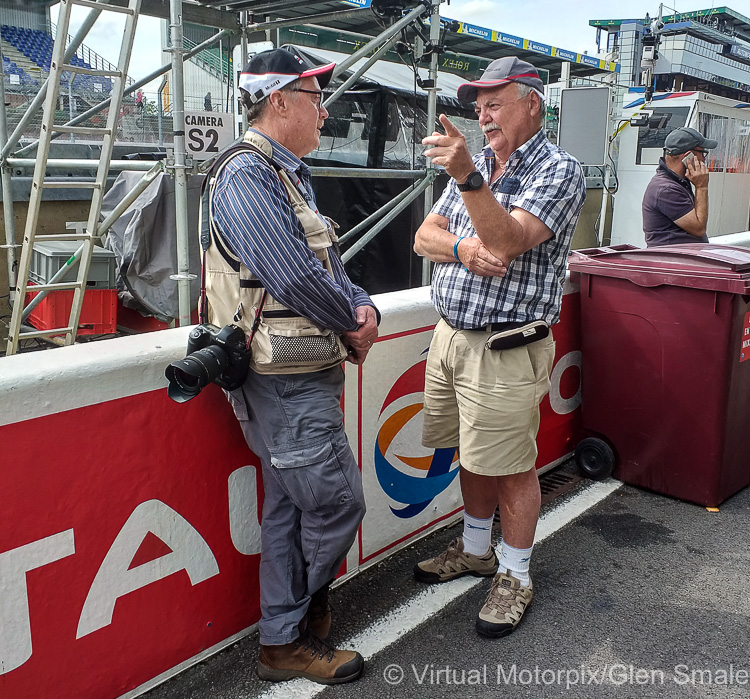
column 98, row 313
column 132, row 321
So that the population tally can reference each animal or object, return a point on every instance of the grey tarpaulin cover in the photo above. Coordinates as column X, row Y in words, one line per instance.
column 144, row 240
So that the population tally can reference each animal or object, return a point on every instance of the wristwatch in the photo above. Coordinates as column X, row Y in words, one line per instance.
column 473, row 182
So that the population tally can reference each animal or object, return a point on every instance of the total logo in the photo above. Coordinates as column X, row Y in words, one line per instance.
column 405, row 475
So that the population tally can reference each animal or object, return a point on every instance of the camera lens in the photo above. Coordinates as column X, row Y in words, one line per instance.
column 186, row 382
column 188, row 376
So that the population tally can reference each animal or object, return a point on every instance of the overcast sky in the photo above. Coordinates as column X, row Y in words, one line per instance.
column 556, row 22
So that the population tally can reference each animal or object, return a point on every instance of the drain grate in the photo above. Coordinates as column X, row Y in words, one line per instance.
column 552, row 485
column 556, row 483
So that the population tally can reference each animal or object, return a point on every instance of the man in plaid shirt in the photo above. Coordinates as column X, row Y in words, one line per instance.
column 499, row 235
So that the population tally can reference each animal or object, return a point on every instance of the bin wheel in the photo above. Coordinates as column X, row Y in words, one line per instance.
column 595, row 458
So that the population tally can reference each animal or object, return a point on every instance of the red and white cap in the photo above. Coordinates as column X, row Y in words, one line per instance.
column 271, row 70
column 501, row 72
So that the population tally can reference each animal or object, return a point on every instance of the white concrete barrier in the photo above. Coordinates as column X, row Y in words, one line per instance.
column 740, row 239
column 129, row 534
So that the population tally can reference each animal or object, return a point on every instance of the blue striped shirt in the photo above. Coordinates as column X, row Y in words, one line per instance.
column 257, row 222
column 544, row 180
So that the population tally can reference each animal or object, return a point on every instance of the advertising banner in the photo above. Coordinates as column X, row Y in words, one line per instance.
column 130, row 529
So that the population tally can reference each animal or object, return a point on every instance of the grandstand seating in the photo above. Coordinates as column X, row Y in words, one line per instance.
column 37, row 47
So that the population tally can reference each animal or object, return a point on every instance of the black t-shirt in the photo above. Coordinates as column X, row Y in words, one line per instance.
column 667, row 198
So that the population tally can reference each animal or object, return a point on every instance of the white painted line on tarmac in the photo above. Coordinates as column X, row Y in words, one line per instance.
column 432, row 599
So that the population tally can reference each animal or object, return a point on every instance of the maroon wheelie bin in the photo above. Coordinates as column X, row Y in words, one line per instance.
column 666, row 367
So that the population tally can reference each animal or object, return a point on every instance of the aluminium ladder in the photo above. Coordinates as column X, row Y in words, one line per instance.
column 40, row 183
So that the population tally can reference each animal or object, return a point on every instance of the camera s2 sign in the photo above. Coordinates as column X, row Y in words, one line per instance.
column 207, row 133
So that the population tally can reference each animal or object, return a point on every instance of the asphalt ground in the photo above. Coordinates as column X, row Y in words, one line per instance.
column 640, row 596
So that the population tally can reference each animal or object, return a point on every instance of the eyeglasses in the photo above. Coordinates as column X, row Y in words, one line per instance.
column 700, row 151
column 317, row 102
column 495, row 107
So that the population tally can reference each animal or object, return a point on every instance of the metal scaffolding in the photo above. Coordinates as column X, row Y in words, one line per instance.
column 178, row 164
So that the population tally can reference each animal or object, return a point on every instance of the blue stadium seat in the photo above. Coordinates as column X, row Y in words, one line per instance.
column 37, row 46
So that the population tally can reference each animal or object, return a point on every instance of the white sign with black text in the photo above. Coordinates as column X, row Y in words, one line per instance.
column 207, row 133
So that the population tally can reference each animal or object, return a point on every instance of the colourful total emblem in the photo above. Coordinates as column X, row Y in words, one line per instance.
column 408, row 478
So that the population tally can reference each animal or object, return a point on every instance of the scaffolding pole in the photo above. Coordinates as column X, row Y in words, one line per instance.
column 363, row 173
column 382, row 211
column 8, row 209
column 10, row 229
column 129, row 198
column 76, row 163
column 389, row 33
column 160, row 109
column 431, row 116
column 357, row 74
column 311, row 19
column 243, row 61
column 183, row 276
column 390, row 216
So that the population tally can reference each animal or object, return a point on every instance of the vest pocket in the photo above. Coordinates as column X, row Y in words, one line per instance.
column 295, row 345
column 319, row 240
column 311, row 348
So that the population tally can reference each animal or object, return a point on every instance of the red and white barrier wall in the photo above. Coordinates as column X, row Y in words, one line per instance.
column 129, row 532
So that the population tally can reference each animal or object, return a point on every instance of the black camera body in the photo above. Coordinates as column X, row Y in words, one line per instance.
column 214, row 355
column 232, row 340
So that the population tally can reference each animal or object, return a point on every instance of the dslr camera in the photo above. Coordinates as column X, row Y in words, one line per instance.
column 214, row 355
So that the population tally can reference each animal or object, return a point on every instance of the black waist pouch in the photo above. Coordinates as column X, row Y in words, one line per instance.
column 517, row 337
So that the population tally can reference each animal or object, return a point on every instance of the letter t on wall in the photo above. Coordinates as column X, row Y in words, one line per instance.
column 15, row 623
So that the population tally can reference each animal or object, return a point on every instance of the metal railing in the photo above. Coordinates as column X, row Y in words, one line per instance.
column 221, row 65
column 88, row 55
column 136, row 124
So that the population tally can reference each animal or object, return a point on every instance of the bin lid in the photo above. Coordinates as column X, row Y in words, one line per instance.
column 699, row 265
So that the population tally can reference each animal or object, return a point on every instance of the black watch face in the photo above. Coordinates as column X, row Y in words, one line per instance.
column 474, row 180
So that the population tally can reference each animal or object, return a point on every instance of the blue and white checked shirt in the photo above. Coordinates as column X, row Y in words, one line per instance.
column 544, row 180
column 253, row 214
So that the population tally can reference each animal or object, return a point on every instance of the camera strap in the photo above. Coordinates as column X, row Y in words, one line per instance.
column 202, row 315
column 256, row 320
column 205, row 222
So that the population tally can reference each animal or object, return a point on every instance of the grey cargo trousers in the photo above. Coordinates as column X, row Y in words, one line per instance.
column 313, row 502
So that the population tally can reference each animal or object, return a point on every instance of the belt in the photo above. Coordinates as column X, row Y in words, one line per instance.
column 504, row 336
column 493, row 327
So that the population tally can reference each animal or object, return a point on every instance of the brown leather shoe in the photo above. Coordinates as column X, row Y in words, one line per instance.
column 319, row 616
column 311, row 658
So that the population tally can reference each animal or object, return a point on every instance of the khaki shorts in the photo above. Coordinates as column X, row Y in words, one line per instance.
column 485, row 401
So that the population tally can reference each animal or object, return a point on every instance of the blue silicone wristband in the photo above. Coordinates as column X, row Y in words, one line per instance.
column 455, row 249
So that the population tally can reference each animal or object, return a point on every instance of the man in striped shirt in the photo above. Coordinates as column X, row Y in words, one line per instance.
column 499, row 235
column 264, row 215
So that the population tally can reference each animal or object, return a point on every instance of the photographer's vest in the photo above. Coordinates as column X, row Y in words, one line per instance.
column 284, row 342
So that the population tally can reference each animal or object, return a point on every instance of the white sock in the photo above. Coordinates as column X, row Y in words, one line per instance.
column 515, row 562
column 477, row 535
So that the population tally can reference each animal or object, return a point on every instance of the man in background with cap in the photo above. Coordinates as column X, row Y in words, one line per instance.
column 672, row 213
column 271, row 250
column 499, row 235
